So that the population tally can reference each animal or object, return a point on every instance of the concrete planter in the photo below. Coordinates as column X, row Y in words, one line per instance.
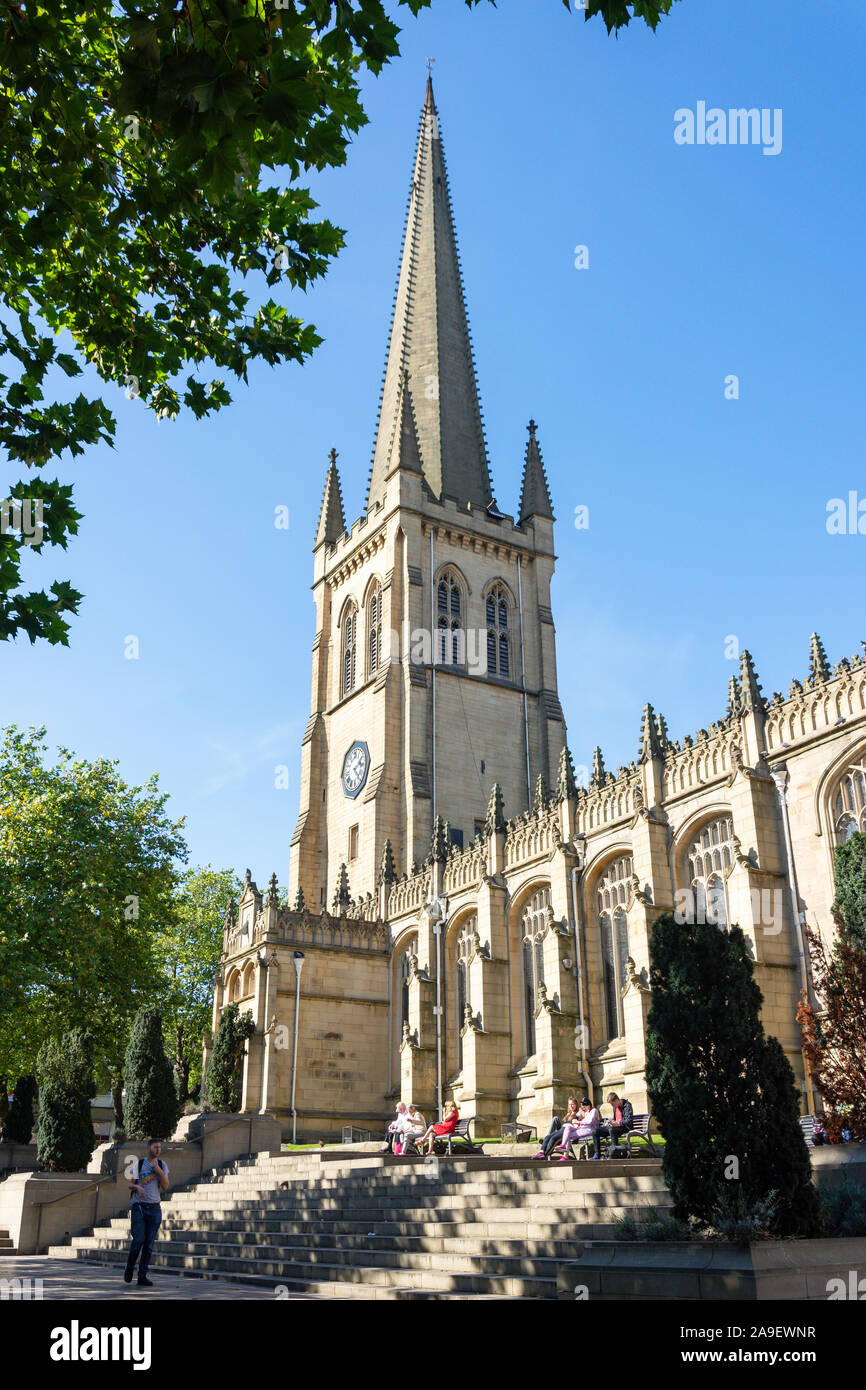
column 42, row 1209
column 712, row 1271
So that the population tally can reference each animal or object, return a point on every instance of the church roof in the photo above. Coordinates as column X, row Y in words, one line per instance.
column 534, row 494
column 430, row 414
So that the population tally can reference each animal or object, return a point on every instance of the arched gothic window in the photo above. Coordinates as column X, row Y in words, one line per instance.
column 374, row 631
column 710, row 858
column 450, row 649
column 848, row 802
column 350, row 644
column 234, row 988
column 534, row 926
column 498, row 639
column 613, row 893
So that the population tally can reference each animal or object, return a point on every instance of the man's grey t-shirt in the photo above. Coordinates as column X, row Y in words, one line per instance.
column 153, row 1191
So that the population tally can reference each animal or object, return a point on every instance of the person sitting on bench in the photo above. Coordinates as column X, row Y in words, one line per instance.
column 586, row 1126
column 556, row 1132
column 622, row 1122
column 440, row 1131
column 417, row 1125
column 397, row 1129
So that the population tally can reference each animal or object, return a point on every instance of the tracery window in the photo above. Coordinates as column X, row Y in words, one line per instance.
column 613, row 893
column 374, row 631
column 710, row 859
column 498, row 638
column 848, row 802
column 534, row 926
column 449, row 632
column 350, row 643
column 234, row 988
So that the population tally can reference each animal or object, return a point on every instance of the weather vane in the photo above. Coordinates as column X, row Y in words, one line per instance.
column 430, row 62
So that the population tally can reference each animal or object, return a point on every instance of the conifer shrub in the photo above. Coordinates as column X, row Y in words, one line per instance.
column 722, row 1091
column 64, row 1072
column 151, row 1106
column 223, row 1081
column 18, row 1123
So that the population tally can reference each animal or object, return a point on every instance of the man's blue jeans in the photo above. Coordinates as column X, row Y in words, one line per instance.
column 144, row 1220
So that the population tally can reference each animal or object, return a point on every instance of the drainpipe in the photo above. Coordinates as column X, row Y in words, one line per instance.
column 578, row 972
column 433, row 636
column 523, row 683
column 779, row 774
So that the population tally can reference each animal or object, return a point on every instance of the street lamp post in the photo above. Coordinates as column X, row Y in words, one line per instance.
column 298, row 960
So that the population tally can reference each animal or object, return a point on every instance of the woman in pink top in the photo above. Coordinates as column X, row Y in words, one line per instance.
column 588, row 1120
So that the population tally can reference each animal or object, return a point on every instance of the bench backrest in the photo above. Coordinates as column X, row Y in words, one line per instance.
column 641, row 1124
column 462, row 1130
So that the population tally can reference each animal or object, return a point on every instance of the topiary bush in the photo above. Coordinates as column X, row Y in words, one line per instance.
column 64, row 1071
column 151, row 1108
column 18, row 1123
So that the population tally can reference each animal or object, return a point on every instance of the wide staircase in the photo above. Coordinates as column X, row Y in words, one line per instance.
column 370, row 1226
column 5, row 1243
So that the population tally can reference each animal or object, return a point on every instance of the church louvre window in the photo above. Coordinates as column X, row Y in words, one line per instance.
column 613, row 893
column 534, row 925
column 353, row 841
column 350, row 644
column 849, row 801
column 405, row 976
column 709, row 861
column 449, row 622
column 498, row 640
column 374, row 631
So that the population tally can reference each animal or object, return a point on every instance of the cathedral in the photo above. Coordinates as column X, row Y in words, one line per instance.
column 465, row 918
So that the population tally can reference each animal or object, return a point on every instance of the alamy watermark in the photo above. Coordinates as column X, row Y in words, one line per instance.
column 26, row 517
column 735, row 126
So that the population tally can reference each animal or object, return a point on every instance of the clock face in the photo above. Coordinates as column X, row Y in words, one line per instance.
column 355, row 767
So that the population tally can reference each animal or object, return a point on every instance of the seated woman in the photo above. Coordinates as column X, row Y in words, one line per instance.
column 588, row 1120
column 557, row 1131
column 440, row 1131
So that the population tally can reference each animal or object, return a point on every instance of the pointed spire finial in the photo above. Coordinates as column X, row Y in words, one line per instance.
column 332, row 520
column 565, row 784
column 540, row 793
column 750, row 690
column 735, row 699
column 439, row 842
column 534, row 492
column 662, row 726
column 495, row 811
column 649, row 739
column 388, row 870
column 342, row 896
column 272, row 899
column 598, row 772
column 299, row 904
column 819, row 666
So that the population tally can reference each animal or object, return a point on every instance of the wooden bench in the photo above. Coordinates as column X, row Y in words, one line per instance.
column 640, row 1130
column 444, row 1144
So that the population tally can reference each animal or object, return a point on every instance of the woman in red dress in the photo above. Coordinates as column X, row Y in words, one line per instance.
column 440, row 1131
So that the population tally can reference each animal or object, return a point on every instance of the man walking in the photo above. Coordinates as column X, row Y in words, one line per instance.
column 145, row 1211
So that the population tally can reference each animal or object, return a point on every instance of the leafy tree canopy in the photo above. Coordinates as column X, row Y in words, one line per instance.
column 152, row 159
column 87, row 873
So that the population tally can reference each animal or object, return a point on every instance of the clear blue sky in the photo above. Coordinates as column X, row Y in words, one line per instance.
column 707, row 516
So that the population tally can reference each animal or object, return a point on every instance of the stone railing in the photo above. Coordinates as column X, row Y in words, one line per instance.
column 532, row 835
column 613, row 801
column 696, row 762
column 409, row 894
column 333, row 933
column 465, row 868
column 817, row 705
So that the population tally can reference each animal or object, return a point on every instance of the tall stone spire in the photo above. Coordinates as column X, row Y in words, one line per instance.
column 332, row 521
column 534, row 493
column 750, row 690
column 650, row 747
column 430, row 411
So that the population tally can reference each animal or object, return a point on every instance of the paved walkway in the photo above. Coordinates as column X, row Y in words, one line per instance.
column 74, row 1280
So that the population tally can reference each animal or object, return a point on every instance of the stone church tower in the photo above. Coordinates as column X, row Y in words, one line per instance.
column 434, row 659
column 465, row 920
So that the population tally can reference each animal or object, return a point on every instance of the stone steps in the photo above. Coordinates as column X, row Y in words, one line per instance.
column 6, row 1246
column 382, row 1229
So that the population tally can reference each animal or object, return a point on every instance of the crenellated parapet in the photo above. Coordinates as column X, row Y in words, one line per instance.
column 343, row 933
column 616, row 799
column 818, row 703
